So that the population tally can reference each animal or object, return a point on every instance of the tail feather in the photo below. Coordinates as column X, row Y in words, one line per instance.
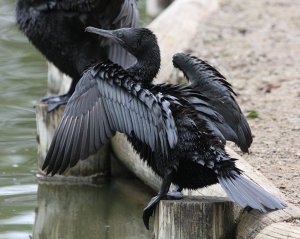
column 246, row 193
column 233, row 193
column 259, row 194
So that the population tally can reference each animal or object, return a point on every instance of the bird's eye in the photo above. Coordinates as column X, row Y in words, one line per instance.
column 120, row 34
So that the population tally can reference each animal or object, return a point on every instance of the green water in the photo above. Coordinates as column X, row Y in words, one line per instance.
column 22, row 82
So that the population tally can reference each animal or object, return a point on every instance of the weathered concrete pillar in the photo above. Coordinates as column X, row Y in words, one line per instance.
column 193, row 218
column 110, row 210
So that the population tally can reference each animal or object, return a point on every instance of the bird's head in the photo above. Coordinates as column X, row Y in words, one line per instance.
column 136, row 41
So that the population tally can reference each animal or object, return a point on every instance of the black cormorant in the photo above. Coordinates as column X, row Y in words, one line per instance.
column 56, row 29
column 179, row 130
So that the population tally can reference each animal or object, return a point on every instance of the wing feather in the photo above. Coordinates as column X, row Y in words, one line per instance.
column 91, row 146
column 222, row 109
column 96, row 129
column 68, row 150
column 76, row 145
column 102, row 105
column 53, row 150
column 62, row 146
column 85, row 136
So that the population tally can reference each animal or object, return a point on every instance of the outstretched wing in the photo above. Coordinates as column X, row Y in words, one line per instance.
column 107, row 100
column 232, row 124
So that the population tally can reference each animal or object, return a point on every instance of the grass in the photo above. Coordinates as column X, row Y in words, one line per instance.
column 252, row 114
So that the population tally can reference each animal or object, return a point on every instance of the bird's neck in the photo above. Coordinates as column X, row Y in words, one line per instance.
column 147, row 66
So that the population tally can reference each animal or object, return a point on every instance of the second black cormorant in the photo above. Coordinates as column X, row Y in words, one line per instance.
column 179, row 130
column 56, row 29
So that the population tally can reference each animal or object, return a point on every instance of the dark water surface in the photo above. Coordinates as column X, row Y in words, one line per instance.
column 23, row 73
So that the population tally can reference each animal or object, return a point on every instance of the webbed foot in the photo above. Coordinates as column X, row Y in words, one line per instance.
column 162, row 194
column 148, row 211
column 55, row 101
column 174, row 195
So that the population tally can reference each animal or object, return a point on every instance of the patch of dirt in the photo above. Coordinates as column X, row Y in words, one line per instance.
column 256, row 45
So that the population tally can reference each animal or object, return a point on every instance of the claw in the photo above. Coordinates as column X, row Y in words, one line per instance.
column 146, row 217
column 148, row 211
column 163, row 193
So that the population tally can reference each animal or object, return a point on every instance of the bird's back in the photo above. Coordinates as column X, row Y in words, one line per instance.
column 57, row 29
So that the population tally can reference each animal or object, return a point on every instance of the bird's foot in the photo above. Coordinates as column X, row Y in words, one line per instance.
column 55, row 101
column 148, row 211
column 174, row 195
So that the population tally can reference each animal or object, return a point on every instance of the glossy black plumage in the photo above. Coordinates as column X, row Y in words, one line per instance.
column 231, row 123
column 107, row 100
column 178, row 130
column 56, row 29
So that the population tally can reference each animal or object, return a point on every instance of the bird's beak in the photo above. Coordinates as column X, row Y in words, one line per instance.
column 101, row 32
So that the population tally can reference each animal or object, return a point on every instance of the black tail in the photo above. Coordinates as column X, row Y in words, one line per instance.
column 246, row 193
